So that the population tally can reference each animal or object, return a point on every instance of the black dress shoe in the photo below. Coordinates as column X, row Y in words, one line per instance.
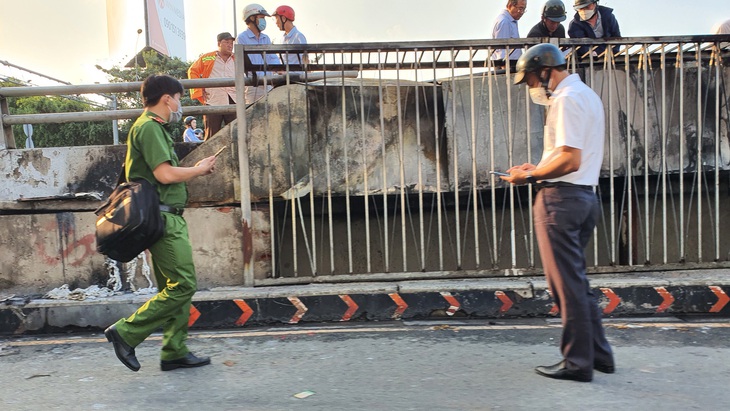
column 124, row 352
column 188, row 361
column 560, row 372
column 604, row 367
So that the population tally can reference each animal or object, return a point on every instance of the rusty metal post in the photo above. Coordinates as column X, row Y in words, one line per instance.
column 7, row 140
column 243, row 166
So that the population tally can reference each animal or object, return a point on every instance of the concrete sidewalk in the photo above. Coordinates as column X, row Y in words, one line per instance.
column 644, row 294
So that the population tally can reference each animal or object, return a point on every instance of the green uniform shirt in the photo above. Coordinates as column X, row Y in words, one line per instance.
column 150, row 144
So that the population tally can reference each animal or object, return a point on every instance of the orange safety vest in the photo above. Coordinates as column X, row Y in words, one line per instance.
column 202, row 68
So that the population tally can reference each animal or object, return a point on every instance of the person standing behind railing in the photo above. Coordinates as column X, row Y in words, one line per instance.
column 553, row 13
column 594, row 22
column 505, row 27
column 284, row 16
column 216, row 64
column 254, row 15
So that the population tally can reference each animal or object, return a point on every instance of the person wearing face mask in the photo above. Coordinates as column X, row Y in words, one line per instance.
column 150, row 156
column 566, row 208
column 254, row 15
column 553, row 13
column 595, row 22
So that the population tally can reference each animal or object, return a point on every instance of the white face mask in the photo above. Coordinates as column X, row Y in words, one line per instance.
column 539, row 96
column 176, row 115
column 586, row 14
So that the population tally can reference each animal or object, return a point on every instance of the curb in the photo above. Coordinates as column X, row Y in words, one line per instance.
column 658, row 294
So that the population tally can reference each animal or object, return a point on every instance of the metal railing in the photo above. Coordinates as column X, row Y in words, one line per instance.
column 394, row 182
column 385, row 176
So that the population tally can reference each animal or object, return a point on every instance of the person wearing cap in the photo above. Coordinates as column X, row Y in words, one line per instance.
column 284, row 16
column 595, row 22
column 505, row 27
column 189, row 135
column 553, row 13
column 216, row 64
column 254, row 15
column 566, row 207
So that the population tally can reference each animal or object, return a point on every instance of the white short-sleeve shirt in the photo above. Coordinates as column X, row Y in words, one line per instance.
column 575, row 118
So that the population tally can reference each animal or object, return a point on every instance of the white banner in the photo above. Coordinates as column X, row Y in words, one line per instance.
column 166, row 27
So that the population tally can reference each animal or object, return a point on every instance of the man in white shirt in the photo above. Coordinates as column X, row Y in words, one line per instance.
column 505, row 27
column 216, row 64
column 566, row 208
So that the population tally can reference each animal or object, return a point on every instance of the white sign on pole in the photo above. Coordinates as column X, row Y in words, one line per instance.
column 166, row 27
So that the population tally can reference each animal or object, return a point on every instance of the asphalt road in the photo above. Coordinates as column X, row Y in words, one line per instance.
column 665, row 364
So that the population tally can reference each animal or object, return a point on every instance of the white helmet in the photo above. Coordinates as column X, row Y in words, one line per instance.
column 254, row 9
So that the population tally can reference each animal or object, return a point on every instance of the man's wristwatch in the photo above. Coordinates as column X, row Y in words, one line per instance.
column 530, row 179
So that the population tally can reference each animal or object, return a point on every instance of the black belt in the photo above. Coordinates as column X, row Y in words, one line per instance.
column 548, row 184
column 172, row 210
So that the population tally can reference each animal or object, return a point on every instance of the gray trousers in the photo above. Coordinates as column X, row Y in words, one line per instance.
column 564, row 221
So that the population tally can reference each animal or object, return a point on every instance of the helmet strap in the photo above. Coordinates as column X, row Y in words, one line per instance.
column 545, row 81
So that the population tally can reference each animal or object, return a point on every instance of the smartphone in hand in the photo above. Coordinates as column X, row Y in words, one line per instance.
column 499, row 173
column 217, row 153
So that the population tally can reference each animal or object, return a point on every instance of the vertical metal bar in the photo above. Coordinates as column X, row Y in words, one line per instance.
column 347, row 170
column 700, row 167
column 436, row 136
column 328, row 172
column 366, row 184
column 402, row 168
column 7, row 140
column 510, row 155
column 474, row 178
column 718, row 159
column 629, row 162
column 682, row 142
column 295, row 199
column 647, row 234
column 531, row 225
column 386, row 250
column 664, row 153
column 490, row 82
column 611, row 166
column 243, row 167
column 455, row 158
column 421, row 224
column 310, row 171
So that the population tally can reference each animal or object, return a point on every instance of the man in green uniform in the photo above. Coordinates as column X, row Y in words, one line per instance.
column 150, row 155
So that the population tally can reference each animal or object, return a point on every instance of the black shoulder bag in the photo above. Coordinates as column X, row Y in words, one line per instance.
column 130, row 220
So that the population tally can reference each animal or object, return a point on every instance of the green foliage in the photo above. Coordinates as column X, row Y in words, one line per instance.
column 58, row 135
column 154, row 63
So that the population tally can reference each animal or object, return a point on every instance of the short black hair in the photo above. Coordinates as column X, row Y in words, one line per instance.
column 156, row 86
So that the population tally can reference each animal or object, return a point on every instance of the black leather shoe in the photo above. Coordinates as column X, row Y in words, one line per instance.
column 124, row 352
column 188, row 361
column 604, row 367
column 560, row 372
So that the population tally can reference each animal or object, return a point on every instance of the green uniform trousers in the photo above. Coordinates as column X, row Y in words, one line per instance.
column 172, row 262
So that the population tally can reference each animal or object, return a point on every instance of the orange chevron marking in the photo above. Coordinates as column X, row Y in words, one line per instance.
column 194, row 315
column 352, row 307
column 506, row 302
column 301, row 310
column 402, row 306
column 722, row 299
column 668, row 299
column 247, row 312
column 454, row 303
column 613, row 300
